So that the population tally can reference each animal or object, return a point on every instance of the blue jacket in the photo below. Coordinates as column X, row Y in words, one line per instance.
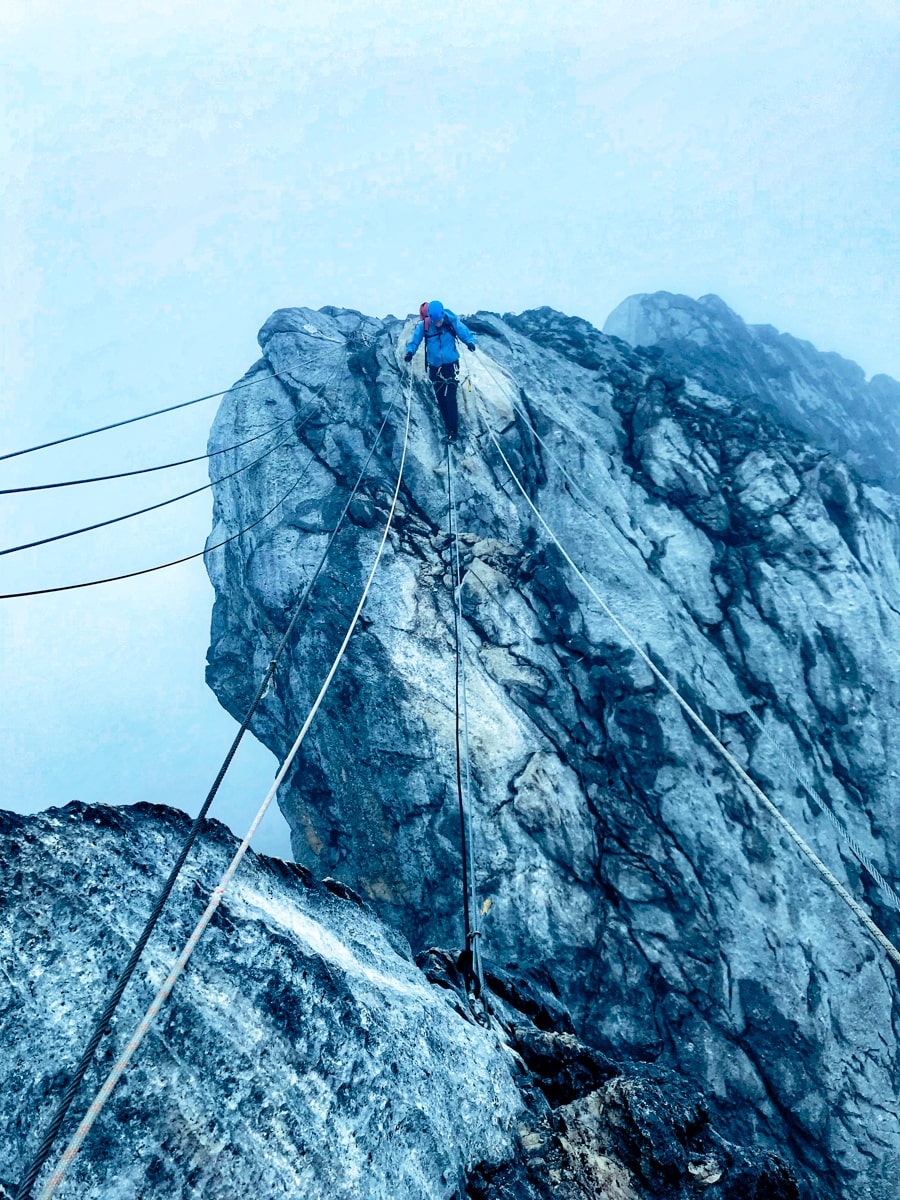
column 440, row 344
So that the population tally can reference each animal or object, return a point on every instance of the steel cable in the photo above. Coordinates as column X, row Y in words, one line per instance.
column 74, row 437
column 102, row 1022
column 77, row 1140
column 464, row 793
column 70, row 587
column 44, row 487
column 874, row 931
column 139, row 512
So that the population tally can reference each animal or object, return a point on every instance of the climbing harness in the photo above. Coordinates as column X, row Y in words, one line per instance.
column 472, row 962
column 77, row 1140
column 836, row 886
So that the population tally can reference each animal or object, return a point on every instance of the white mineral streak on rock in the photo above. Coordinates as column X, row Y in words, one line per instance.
column 301, row 1054
column 756, row 567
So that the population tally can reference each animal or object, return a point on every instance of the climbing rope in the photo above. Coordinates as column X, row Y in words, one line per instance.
column 97, row 1105
column 470, row 897
column 58, row 537
column 182, row 462
column 73, row 437
column 800, row 775
column 875, row 932
column 811, row 790
column 102, row 1022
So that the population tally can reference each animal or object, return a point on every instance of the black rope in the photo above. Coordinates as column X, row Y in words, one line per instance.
column 467, row 905
column 73, row 437
column 43, row 487
column 105, row 1017
column 471, row 961
column 58, row 537
column 71, row 587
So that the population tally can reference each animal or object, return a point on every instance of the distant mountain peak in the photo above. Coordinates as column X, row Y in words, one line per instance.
column 820, row 394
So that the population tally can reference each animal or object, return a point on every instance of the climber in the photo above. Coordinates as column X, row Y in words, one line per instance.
column 441, row 329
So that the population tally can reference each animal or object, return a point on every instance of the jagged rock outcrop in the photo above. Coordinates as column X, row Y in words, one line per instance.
column 762, row 573
column 824, row 396
column 304, row 1054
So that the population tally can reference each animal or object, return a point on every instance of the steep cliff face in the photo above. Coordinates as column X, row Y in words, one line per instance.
column 824, row 396
column 618, row 851
column 303, row 1054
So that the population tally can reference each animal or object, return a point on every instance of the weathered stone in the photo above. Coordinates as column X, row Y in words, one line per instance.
column 615, row 845
column 302, row 1053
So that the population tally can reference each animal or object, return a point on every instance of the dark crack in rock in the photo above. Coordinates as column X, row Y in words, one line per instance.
column 762, row 570
column 303, row 1053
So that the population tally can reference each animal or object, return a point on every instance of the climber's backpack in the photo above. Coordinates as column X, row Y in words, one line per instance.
column 448, row 325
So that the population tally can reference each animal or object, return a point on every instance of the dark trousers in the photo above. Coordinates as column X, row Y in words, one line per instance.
column 445, row 383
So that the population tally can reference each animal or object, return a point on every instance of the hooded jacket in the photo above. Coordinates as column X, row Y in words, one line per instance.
column 440, row 344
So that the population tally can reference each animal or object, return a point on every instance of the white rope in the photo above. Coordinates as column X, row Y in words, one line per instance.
column 810, row 788
column 835, row 884
column 77, row 1140
column 801, row 776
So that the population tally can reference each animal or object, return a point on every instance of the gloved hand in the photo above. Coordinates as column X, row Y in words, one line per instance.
column 407, row 357
column 470, row 346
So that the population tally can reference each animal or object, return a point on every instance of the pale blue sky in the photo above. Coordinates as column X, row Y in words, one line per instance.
column 174, row 172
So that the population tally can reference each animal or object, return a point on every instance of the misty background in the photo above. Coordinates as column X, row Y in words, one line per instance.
column 172, row 174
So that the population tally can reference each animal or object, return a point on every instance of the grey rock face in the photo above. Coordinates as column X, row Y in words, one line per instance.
column 302, row 1054
column 824, row 396
column 762, row 573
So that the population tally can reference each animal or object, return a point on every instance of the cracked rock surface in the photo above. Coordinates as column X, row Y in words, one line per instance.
column 753, row 557
column 302, row 1054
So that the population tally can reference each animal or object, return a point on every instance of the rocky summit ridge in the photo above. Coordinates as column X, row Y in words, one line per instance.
column 762, row 573
column 681, row 1008
column 824, row 396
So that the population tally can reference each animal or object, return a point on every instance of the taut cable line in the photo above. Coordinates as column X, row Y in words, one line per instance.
column 833, row 882
column 174, row 562
column 471, row 914
column 139, row 512
column 73, row 437
column 182, row 462
column 77, row 1140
